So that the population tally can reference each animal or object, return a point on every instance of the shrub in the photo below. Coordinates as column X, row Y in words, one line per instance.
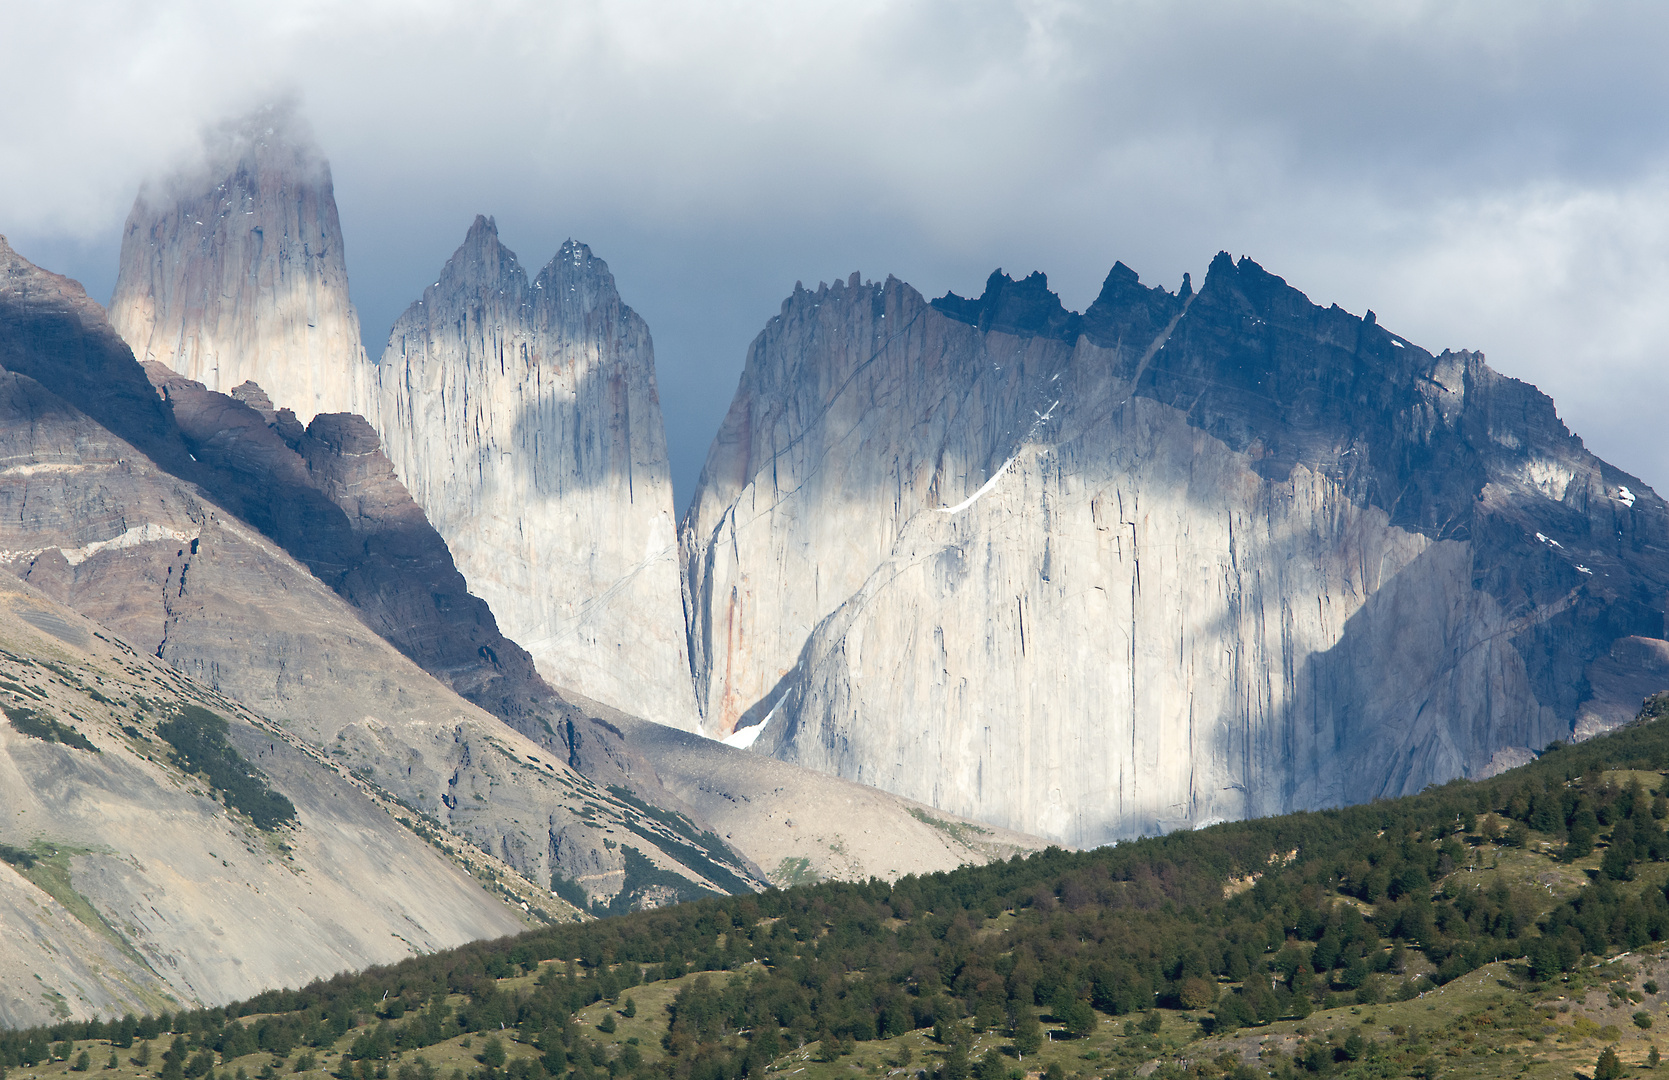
column 1077, row 1018
column 43, row 727
column 198, row 737
column 1197, row 993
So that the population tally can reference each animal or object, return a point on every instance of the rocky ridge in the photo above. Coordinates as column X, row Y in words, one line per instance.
column 328, row 495
column 800, row 825
column 523, row 416
column 1178, row 559
column 234, row 270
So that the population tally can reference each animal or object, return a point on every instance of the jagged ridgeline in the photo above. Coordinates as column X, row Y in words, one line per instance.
column 1374, row 940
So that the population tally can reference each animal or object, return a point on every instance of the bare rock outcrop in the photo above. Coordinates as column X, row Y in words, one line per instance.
column 522, row 414
column 234, row 270
column 1178, row 559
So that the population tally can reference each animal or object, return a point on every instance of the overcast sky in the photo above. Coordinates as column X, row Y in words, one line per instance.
column 1482, row 175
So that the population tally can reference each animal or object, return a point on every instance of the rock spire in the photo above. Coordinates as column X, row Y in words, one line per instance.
column 523, row 416
column 233, row 271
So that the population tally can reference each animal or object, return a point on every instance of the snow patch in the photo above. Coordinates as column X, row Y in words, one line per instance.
column 1549, row 541
column 987, row 486
column 1551, row 478
column 1625, row 496
column 743, row 738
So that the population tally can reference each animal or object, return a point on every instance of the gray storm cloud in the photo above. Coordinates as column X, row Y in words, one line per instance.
column 1488, row 175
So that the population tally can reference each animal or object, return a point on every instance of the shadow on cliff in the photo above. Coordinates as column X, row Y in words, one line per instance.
column 1447, row 447
column 60, row 338
column 596, row 432
column 329, row 496
column 1427, row 683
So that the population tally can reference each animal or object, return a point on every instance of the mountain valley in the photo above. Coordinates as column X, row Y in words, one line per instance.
column 963, row 579
column 311, row 594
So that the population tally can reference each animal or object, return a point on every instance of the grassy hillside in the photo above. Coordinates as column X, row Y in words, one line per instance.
column 1507, row 927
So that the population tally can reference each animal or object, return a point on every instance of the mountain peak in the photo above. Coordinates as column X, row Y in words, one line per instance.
column 1024, row 308
column 574, row 274
column 480, row 263
column 271, row 144
column 232, row 269
column 1128, row 314
column 521, row 412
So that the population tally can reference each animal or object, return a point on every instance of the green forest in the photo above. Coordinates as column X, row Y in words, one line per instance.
column 1505, row 927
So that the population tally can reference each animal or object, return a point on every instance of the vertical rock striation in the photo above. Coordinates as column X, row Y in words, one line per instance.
column 234, row 271
column 1177, row 559
column 523, row 417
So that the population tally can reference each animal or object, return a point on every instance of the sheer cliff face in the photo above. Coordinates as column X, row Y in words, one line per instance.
column 1179, row 559
column 235, row 272
column 523, row 417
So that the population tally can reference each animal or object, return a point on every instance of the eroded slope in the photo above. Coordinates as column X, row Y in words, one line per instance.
column 99, row 527
column 131, row 884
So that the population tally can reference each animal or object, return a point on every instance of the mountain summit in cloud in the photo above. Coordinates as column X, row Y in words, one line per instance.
column 233, row 270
